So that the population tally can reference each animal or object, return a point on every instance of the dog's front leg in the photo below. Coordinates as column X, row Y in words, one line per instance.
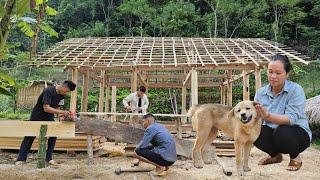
column 239, row 157
column 247, row 149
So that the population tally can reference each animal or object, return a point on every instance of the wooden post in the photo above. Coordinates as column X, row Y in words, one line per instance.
column 85, row 90
column 42, row 147
column 73, row 100
column 257, row 75
column 194, row 87
column 89, row 150
column 229, row 88
column 101, row 94
column 113, row 101
column 246, row 93
column 134, row 80
column 84, row 108
column 222, row 94
column 107, row 99
column 181, row 120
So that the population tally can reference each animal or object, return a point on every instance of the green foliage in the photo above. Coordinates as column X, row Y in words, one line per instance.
column 11, row 115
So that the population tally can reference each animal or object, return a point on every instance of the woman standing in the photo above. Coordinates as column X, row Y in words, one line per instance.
column 285, row 128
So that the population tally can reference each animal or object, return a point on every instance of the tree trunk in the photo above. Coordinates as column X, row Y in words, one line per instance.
column 5, row 23
column 35, row 37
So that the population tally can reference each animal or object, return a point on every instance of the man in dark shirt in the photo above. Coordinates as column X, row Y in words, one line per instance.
column 157, row 146
column 47, row 105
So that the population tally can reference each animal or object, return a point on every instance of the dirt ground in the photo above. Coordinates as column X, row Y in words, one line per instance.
column 103, row 168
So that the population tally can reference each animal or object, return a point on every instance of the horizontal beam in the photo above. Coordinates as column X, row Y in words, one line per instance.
column 11, row 128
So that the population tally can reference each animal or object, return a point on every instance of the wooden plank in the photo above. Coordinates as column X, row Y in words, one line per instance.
column 11, row 128
column 257, row 75
column 85, row 90
column 229, row 88
column 194, row 87
column 101, row 91
column 73, row 99
column 246, row 93
column 113, row 101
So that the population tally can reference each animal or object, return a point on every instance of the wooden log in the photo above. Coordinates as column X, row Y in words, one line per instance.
column 42, row 146
column 90, row 150
column 124, row 133
column 11, row 128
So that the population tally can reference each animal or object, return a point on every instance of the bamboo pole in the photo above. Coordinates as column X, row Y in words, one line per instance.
column 42, row 146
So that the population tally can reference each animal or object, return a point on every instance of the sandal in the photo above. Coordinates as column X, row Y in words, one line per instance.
column 162, row 172
column 271, row 160
column 294, row 165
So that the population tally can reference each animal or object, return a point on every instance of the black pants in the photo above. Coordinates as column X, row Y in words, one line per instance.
column 152, row 156
column 26, row 146
column 284, row 139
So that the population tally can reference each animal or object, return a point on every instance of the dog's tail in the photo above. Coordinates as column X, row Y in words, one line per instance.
column 191, row 113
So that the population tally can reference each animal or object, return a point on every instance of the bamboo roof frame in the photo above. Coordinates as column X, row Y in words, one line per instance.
column 170, row 54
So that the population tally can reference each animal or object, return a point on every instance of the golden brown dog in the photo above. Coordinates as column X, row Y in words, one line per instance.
column 241, row 123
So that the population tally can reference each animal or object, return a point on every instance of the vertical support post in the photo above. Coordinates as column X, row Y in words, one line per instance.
column 107, row 99
column 194, row 87
column 181, row 120
column 257, row 75
column 113, row 102
column 222, row 95
column 89, row 150
column 134, row 80
column 73, row 100
column 85, row 90
column 229, row 88
column 246, row 93
column 42, row 146
column 101, row 93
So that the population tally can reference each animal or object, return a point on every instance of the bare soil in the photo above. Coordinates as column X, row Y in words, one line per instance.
column 103, row 168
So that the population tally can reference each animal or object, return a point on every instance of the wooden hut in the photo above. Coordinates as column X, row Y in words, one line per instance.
column 27, row 96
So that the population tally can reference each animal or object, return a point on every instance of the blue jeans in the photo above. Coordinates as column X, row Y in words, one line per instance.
column 26, row 146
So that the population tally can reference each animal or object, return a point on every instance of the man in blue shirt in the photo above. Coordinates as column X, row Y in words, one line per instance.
column 157, row 146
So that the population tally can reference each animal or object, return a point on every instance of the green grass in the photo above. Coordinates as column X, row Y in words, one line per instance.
column 11, row 115
column 316, row 143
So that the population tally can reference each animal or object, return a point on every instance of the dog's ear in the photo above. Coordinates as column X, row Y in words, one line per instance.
column 231, row 113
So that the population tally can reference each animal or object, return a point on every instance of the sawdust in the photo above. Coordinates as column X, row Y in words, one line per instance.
column 103, row 168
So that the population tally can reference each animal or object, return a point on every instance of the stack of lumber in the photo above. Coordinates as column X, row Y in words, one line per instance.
column 77, row 143
column 224, row 148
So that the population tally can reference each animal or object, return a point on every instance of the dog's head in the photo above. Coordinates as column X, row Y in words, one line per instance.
column 244, row 111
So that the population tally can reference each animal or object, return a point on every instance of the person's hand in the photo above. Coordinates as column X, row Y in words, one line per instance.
column 128, row 109
column 262, row 112
column 65, row 113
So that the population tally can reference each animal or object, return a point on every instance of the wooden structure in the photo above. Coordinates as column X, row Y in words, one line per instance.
column 162, row 62
column 27, row 96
